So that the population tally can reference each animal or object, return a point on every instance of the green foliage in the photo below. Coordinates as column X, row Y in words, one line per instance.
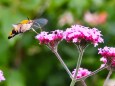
column 26, row 63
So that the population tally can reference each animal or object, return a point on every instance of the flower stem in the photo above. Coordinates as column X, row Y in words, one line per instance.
column 62, row 62
column 83, row 83
column 55, row 51
column 108, row 76
column 73, row 82
column 79, row 61
column 81, row 51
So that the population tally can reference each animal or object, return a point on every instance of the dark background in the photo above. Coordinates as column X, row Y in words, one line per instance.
column 26, row 63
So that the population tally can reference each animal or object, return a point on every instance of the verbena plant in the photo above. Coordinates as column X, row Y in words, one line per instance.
column 81, row 36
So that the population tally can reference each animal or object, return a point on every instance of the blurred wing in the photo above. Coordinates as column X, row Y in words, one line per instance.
column 39, row 23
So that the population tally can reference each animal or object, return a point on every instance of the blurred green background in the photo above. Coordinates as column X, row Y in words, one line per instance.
column 26, row 63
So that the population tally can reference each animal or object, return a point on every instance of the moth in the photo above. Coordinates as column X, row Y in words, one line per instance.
column 26, row 25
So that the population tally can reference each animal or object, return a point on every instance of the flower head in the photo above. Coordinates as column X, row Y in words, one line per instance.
column 81, row 72
column 81, row 34
column 108, row 56
column 107, row 52
column 1, row 76
column 51, row 39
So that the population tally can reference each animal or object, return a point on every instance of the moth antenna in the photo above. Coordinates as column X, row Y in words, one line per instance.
column 28, row 18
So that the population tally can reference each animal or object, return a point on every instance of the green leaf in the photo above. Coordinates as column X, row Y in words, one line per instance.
column 15, row 79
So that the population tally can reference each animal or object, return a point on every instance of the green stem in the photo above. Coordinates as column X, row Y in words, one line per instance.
column 81, row 51
column 79, row 62
column 108, row 76
column 73, row 82
column 55, row 51
column 83, row 83
column 63, row 64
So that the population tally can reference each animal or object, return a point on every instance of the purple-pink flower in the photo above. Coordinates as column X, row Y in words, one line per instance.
column 104, row 60
column 1, row 76
column 43, row 38
column 78, row 33
column 51, row 39
column 107, row 52
column 108, row 56
column 81, row 72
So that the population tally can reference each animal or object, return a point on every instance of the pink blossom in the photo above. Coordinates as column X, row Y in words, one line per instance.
column 107, row 52
column 91, row 18
column 108, row 56
column 51, row 39
column 78, row 33
column 95, row 18
column 104, row 60
column 81, row 72
column 1, row 76
column 113, row 62
column 42, row 37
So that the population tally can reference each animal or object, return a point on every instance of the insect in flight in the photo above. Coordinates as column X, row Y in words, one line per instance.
column 26, row 25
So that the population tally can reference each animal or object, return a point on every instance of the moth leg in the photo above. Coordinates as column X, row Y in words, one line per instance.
column 34, row 31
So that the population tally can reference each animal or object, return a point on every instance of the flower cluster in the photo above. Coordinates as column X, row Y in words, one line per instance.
column 78, row 34
column 81, row 72
column 1, row 76
column 50, row 38
column 107, row 52
column 108, row 55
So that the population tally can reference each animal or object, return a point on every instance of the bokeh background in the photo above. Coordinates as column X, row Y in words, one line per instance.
column 26, row 63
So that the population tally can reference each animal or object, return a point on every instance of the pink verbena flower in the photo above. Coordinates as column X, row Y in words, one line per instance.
column 104, row 60
column 81, row 34
column 107, row 52
column 43, row 38
column 81, row 72
column 1, row 76
column 108, row 56
column 51, row 39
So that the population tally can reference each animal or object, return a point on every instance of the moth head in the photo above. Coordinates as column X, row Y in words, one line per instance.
column 24, row 21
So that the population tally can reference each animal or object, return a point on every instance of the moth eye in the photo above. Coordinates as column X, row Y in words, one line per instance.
column 13, row 31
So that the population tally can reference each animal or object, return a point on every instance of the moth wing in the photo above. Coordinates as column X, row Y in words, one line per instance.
column 39, row 23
